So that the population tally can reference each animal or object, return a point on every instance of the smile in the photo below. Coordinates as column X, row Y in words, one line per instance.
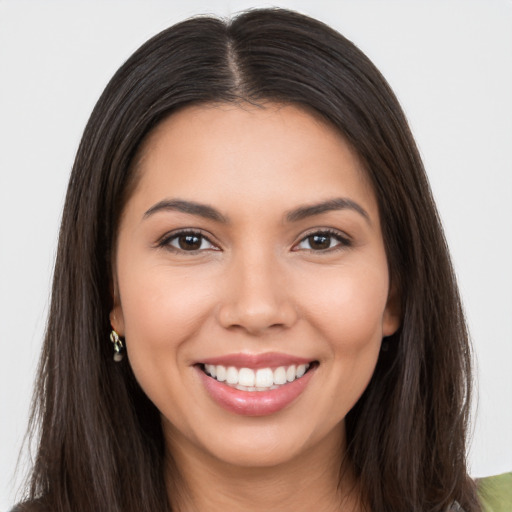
column 256, row 385
column 261, row 379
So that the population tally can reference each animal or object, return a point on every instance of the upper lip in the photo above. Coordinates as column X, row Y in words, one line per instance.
column 255, row 361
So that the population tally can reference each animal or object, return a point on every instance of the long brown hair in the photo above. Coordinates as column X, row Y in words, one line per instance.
column 100, row 440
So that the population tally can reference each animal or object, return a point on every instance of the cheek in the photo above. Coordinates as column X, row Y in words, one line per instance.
column 348, row 316
column 161, row 308
column 351, row 308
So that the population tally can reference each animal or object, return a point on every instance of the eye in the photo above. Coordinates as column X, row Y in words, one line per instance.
column 323, row 241
column 188, row 241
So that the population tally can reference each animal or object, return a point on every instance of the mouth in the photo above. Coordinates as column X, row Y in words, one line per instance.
column 256, row 384
column 257, row 379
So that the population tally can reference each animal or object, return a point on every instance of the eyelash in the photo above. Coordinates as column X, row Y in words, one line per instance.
column 165, row 241
column 343, row 240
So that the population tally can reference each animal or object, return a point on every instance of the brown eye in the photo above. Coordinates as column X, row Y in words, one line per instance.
column 188, row 242
column 323, row 241
column 319, row 242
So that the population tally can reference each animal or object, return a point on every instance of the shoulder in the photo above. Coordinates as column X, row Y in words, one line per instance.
column 495, row 493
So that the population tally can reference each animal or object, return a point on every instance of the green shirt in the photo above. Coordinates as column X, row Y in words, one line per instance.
column 495, row 493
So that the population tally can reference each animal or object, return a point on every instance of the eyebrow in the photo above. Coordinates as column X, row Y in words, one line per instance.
column 340, row 203
column 303, row 212
column 190, row 207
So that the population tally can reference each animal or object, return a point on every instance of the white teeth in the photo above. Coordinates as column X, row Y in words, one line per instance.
column 232, row 375
column 246, row 377
column 280, row 375
column 210, row 368
column 220, row 371
column 301, row 370
column 263, row 379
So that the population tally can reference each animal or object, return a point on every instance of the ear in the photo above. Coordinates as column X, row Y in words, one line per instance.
column 392, row 317
column 116, row 314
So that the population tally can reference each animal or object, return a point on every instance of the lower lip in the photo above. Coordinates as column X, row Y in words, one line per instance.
column 255, row 403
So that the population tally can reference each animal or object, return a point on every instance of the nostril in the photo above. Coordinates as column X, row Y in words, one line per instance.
column 256, row 318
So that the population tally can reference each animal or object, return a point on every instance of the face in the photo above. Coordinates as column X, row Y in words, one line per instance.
column 252, row 285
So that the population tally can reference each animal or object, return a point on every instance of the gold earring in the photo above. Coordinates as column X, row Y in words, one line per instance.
column 118, row 346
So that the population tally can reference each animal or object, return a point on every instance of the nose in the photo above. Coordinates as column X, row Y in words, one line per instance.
column 256, row 296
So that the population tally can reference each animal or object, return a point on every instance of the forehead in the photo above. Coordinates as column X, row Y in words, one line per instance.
column 256, row 154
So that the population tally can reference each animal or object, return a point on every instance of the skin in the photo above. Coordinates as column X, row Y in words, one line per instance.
column 256, row 285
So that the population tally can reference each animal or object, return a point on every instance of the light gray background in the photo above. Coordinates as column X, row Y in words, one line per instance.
column 450, row 63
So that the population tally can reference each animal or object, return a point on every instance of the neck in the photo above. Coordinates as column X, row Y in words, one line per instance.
column 318, row 480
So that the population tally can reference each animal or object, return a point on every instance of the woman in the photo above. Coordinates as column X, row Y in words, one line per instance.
column 249, row 221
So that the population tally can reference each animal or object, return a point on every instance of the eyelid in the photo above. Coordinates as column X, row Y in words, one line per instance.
column 164, row 241
column 343, row 239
